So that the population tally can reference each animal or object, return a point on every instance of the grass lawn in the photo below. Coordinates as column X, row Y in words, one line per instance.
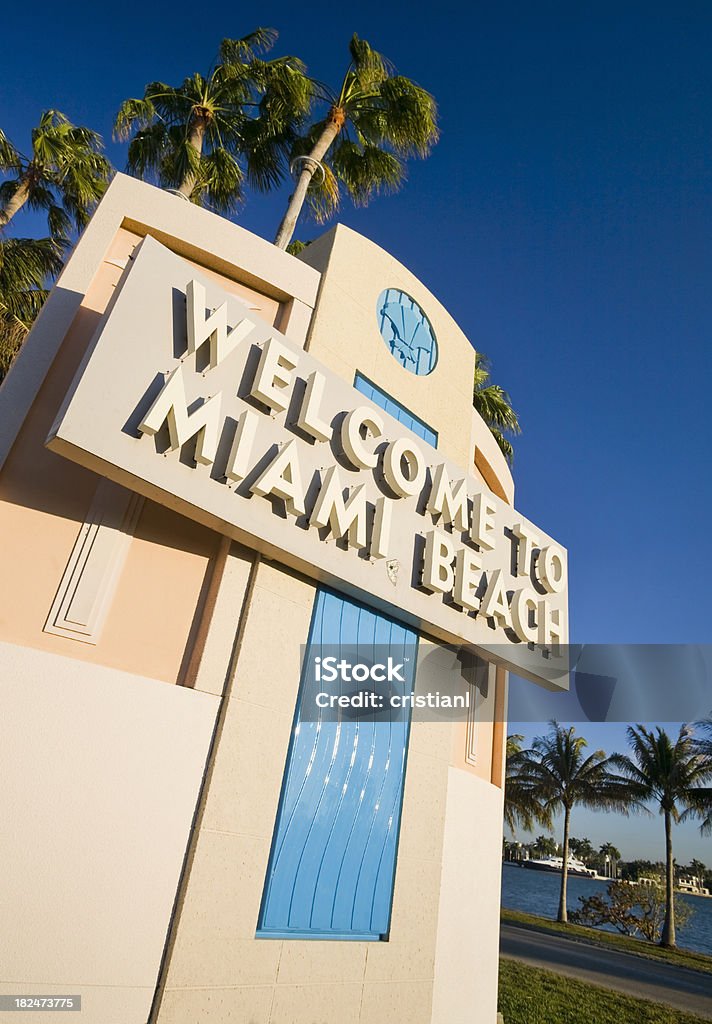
column 679, row 957
column 528, row 995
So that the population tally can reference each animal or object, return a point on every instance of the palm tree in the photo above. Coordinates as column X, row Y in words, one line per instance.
column 610, row 855
column 65, row 174
column 25, row 266
column 545, row 846
column 372, row 124
column 670, row 775
column 11, row 339
column 203, row 137
column 494, row 406
column 581, row 848
column 520, row 808
column 696, row 868
column 558, row 775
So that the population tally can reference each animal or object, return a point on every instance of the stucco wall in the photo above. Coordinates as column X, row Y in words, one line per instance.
column 100, row 774
column 467, row 955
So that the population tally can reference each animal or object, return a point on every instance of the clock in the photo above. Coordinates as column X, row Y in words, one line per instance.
column 406, row 331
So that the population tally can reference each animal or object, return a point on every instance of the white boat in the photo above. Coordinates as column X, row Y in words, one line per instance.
column 575, row 866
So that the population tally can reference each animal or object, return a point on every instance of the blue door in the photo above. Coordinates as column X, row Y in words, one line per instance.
column 333, row 854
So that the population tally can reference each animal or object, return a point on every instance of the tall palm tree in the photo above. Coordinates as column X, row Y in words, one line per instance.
column 520, row 806
column 65, row 174
column 203, row 137
column 494, row 406
column 373, row 122
column 25, row 266
column 671, row 775
column 557, row 773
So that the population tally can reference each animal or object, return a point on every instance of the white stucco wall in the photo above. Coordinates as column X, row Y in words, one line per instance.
column 467, row 950
column 99, row 775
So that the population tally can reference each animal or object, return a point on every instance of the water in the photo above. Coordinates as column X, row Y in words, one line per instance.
column 537, row 892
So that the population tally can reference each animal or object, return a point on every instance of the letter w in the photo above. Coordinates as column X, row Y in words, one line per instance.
column 212, row 328
column 171, row 407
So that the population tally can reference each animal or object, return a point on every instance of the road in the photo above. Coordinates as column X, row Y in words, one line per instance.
column 680, row 987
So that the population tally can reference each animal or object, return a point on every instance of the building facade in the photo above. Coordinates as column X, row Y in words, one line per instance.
column 184, row 839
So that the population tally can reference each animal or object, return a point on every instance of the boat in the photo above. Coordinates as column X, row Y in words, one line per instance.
column 575, row 866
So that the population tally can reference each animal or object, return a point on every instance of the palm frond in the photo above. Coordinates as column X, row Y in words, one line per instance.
column 147, row 150
column 369, row 68
column 58, row 221
column 494, row 406
column 7, row 190
column 26, row 265
column 219, row 183
column 323, row 195
column 10, row 159
column 504, row 444
column 180, row 160
column 266, row 154
column 12, row 335
column 522, row 805
column 240, row 51
column 287, row 92
column 175, row 106
column 133, row 114
column 670, row 774
column 405, row 118
column 366, row 171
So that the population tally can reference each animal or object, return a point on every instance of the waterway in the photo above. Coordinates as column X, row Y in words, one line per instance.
column 537, row 892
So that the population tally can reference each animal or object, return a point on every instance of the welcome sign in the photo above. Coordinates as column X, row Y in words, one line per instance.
column 188, row 397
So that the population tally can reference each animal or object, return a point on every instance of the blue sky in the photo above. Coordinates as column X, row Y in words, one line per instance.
column 564, row 219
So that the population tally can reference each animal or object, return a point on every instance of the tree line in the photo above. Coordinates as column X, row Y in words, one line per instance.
column 607, row 860
column 557, row 773
column 247, row 124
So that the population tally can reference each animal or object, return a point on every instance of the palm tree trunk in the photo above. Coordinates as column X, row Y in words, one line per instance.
column 562, row 914
column 668, row 935
column 15, row 203
column 195, row 139
column 334, row 124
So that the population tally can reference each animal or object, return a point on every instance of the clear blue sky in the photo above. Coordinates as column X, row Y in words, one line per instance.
column 565, row 219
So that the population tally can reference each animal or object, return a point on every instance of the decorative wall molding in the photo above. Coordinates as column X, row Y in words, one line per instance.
column 92, row 573
column 480, row 679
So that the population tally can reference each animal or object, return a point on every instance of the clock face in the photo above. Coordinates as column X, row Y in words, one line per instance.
column 407, row 331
